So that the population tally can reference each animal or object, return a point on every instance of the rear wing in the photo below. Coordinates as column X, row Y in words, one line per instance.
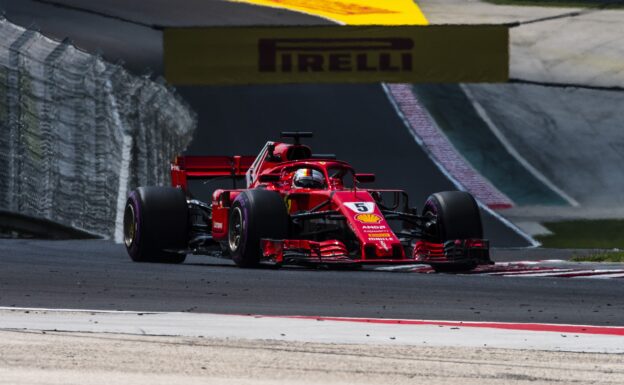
column 208, row 167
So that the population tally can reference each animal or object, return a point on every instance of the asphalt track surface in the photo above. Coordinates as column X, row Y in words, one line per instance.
column 356, row 121
column 99, row 275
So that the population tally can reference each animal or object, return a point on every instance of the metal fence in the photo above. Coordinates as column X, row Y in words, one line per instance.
column 77, row 132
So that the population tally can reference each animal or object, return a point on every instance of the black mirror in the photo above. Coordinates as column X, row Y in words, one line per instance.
column 269, row 178
column 365, row 178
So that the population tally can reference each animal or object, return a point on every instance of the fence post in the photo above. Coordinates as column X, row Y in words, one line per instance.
column 50, row 137
column 14, row 107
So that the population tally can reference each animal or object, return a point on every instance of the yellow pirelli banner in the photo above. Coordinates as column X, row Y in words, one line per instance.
column 337, row 54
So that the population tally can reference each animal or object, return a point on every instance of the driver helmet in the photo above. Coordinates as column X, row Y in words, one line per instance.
column 308, row 178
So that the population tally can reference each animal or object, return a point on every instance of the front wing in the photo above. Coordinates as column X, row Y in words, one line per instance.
column 301, row 252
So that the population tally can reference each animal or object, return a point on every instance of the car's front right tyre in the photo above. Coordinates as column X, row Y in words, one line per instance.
column 457, row 217
column 255, row 214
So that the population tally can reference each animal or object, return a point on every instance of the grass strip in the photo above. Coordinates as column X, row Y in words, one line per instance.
column 585, row 234
column 607, row 256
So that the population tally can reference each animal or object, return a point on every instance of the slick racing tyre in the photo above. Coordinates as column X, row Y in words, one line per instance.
column 458, row 217
column 255, row 214
column 156, row 225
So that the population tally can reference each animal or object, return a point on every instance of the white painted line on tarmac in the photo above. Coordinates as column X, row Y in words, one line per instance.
column 512, row 150
column 554, row 273
column 531, row 262
column 602, row 276
column 321, row 329
column 534, row 242
column 64, row 310
column 400, row 267
column 529, row 272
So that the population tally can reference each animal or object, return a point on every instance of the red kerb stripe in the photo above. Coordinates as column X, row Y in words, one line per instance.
column 538, row 327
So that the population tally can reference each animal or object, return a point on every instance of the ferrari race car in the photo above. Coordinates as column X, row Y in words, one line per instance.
column 299, row 208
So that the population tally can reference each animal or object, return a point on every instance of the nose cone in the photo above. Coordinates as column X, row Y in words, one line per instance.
column 369, row 225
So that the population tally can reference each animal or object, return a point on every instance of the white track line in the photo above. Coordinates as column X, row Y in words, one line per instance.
column 602, row 276
column 399, row 267
column 565, row 273
column 534, row 242
column 529, row 272
column 511, row 149
column 554, row 273
column 530, row 263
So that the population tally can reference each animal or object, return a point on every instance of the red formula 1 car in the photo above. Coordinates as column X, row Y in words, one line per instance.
column 299, row 208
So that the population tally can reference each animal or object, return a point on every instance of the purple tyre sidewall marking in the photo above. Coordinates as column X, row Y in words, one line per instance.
column 431, row 206
column 244, row 207
column 133, row 199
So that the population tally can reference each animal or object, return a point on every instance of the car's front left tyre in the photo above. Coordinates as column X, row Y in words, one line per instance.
column 156, row 225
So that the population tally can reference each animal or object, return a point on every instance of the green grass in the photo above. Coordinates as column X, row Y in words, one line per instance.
column 613, row 256
column 586, row 234
column 562, row 3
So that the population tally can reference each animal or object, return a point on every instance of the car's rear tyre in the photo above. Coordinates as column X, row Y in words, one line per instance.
column 458, row 217
column 255, row 214
column 156, row 224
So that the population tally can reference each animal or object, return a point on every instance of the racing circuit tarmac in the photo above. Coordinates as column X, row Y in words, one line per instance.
column 99, row 275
